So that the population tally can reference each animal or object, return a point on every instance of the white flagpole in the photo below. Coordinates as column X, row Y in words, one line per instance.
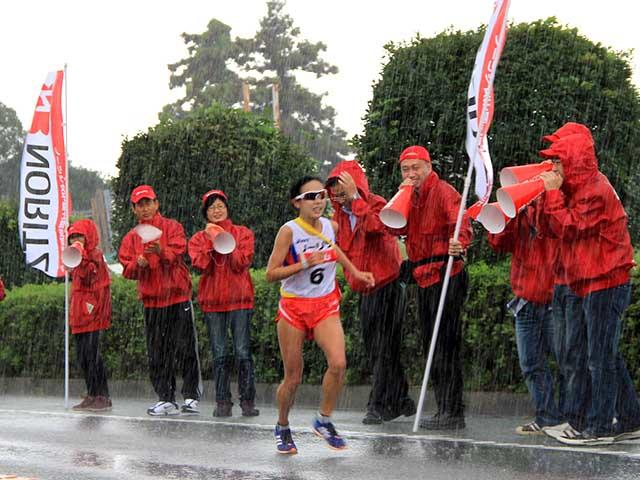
column 443, row 295
column 66, row 273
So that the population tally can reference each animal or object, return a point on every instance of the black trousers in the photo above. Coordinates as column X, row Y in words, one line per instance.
column 381, row 316
column 446, row 370
column 171, row 346
column 91, row 364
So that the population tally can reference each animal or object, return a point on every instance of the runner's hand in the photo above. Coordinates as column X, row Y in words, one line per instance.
column 366, row 277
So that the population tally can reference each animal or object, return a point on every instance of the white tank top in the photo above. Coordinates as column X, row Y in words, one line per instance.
column 316, row 281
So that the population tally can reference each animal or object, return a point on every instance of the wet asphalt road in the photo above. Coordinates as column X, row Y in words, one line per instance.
column 40, row 439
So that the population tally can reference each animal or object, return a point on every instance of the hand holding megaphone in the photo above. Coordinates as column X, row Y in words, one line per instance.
column 72, row 255
column 396, row 211
column 223, row 241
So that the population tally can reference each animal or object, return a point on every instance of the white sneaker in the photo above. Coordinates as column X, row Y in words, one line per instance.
column 190, row 407
column 162, row 409
column 555, row 431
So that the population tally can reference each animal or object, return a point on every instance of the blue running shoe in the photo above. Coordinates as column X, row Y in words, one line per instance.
column 284, row 440
column 328, row 432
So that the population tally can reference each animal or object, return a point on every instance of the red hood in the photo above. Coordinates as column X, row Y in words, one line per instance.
column 578, row 157
column 569, row 128
column 87, row 229
column 355, row 170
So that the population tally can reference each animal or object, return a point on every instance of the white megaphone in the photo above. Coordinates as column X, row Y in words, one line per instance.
column 148, row 233
column 72, row 255
column 223, row 241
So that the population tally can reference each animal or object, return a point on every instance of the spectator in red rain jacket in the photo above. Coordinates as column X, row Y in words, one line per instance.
column 90, row 313
column 429, row 231
column 534, row 255
column 2, row 294
column 365, row 240
column 164, row 285
column 596, row 255
column 225, row 295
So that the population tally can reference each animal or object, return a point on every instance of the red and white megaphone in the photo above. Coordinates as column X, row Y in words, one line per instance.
column 223, row 241
column 72, row 255
column 493, row 218
column 148, row 233
column 512, row 175
column 514, row 198
column 396, row 211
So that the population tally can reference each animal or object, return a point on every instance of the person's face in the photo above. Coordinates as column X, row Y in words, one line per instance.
column 415, row 170
column 312, row 208
column 217, row 211
column 557, row 167
column 339, row 195
column 145, row 209
column 76, row 237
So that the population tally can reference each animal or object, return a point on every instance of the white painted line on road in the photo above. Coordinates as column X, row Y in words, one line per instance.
column 346, row 433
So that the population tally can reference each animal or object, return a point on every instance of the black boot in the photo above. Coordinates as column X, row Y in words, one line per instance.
column 223, row 409
column 249, row 409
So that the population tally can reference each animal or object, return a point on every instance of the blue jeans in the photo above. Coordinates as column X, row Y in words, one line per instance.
column 218, row 324
column 567, row 311
column 592, row 346
column 535, row 340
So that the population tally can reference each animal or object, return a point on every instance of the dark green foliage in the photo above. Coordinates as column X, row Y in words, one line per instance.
column 32, row 333
column 548, row 75
column 13, row 268
column 221, row 148
column 274, row 55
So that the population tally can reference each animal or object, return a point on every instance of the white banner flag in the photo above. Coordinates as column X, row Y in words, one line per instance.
column 480, row 99
column 43, row 216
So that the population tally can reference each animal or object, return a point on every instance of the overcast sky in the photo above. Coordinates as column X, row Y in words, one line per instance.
column 117, row 51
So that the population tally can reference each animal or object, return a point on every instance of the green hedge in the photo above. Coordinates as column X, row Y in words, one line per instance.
column 32, row 326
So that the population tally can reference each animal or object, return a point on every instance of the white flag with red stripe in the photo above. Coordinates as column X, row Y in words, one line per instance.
column 44, row 199
column 480, row 99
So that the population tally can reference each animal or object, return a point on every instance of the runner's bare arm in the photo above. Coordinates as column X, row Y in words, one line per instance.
column 275, row 269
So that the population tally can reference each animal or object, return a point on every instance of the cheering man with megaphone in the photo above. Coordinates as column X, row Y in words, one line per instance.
column 430, row 227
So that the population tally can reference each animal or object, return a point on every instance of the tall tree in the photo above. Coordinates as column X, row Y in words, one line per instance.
column 217, row 65
column 11, row 135
column 549, row 74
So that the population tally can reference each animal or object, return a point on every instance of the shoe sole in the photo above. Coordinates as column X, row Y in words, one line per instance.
column 327, row 443
column 293, row 451
column 106, row 409
column 190, row 414
column 582, row 443
column 163, row 414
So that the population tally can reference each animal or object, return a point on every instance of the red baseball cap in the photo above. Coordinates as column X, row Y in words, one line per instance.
column 220, row 193
column 143, row 191
column 416, row 152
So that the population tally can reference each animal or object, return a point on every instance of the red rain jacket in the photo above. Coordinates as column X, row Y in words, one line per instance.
column 534, row 254
column 2, row 294
column 431, row 223
column 90, row 292
column 166, row 280
column 226, row 283
column 369, row 246
column 589, row 219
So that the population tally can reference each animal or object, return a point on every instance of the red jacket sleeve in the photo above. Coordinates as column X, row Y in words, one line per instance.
column 87, row 271
column 129, row 258
column 2, row 294
column 368, row 211
column 242, row 256
column 200, row 248
column 505, row 241
column 585, row 219
column 176, row 243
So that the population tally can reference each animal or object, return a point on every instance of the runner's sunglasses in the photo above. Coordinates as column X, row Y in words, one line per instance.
column 313, row 195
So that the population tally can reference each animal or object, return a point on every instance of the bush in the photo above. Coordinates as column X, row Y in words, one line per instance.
column 32, row 328
column 240, row 153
